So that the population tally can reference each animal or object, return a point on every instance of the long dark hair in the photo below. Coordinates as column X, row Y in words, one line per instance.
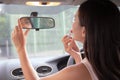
column 101, row 20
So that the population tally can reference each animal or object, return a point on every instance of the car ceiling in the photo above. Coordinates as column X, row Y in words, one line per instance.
column 14, row 9
column 63, row 2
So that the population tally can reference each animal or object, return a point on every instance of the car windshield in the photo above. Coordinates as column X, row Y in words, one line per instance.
column 42, row 43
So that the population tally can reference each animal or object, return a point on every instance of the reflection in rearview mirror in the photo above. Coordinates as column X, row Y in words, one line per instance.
column 37, row 22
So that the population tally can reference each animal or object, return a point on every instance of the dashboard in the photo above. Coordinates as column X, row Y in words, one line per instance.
column 11, row 69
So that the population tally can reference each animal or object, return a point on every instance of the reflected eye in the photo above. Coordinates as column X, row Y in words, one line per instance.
column 27, row 22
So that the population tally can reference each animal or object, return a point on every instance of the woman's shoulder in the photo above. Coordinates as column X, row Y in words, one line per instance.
column 78, row 72
column 82, row 71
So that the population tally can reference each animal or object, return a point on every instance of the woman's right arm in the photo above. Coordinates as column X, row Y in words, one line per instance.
column 19, row 40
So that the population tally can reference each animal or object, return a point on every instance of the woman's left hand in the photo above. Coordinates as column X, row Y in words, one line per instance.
column 19, row 37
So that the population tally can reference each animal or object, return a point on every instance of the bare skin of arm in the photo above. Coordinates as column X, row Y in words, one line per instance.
column 19, row 40
column 75, row 72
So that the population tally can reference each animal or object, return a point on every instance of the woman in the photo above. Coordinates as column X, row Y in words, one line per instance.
column 26, row 22
column 97, row 23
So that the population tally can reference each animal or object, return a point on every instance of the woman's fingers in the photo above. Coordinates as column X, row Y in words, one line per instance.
column 19, row 37
column 67, row 43
column 19, row 24
column 20, row 27
column 66, row 39
column 14, row 32
column 26, row 32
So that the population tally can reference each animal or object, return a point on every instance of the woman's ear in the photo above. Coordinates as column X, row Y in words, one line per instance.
column 83, row 31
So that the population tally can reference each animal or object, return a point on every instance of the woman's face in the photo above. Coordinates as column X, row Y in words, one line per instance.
column 26, row 23
column 77, row 30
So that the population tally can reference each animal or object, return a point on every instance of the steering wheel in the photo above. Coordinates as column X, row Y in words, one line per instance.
column 71, row 61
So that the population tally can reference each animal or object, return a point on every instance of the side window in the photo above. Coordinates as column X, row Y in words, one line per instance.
column 4, row 36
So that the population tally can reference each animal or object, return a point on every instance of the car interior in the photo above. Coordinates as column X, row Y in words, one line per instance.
column 50, row 20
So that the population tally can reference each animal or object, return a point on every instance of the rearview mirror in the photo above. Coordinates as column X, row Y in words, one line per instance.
column 37, row 22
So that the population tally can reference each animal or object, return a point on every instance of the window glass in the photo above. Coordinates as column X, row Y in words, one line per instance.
column 42, row 43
